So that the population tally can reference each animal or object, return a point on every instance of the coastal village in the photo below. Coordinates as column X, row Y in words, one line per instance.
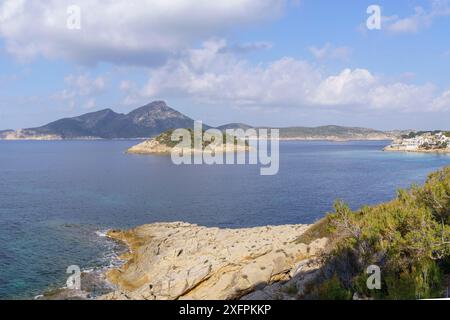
column 436, row 141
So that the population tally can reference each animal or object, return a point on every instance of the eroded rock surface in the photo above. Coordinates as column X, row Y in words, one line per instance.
column 185, row 261
column 150, row 147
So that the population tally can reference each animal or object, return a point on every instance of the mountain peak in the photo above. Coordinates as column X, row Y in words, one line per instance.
column 159, row 104
column 152, row 108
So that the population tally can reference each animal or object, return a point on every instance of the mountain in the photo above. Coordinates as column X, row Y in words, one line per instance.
column 157, row 117
column 147, row 121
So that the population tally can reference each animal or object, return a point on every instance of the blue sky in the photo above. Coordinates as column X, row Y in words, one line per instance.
column 263, row 62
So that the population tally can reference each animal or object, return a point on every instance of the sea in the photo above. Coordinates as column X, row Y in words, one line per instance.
column 58, row 198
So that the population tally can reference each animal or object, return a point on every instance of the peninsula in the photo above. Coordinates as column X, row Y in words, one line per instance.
column 428, row 142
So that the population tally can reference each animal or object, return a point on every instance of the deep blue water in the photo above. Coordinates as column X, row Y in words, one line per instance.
column 55, row 195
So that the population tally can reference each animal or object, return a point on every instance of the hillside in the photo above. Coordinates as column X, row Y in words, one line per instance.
column 407, row 238
column 323, row 133
column 332, row 133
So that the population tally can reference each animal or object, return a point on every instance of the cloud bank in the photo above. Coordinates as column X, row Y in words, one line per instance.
column 123, row 31
column 421, row 19
column 212, row 75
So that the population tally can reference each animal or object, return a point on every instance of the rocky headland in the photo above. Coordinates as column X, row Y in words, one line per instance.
column 169, row 261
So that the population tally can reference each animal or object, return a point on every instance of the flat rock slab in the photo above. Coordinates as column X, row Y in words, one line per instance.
column 183, row 261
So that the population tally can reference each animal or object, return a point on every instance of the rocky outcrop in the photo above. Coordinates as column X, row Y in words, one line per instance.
column 163, row 144
column 184, row 261
column 150, row 147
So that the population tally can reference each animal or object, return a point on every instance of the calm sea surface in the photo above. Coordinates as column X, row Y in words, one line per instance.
column 56, row 196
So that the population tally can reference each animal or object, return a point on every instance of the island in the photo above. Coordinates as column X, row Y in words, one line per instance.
column 164, row 145
column 424, row 141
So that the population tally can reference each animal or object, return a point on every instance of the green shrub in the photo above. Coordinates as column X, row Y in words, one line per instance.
column 332, row 289
column 408, row 238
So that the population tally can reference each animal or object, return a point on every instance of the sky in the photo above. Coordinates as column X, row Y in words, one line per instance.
column 261, row 62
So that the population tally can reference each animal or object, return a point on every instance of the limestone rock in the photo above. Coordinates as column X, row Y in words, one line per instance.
column 184, row 261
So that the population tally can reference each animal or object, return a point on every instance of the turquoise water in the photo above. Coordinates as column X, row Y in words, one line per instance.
column 54, row 196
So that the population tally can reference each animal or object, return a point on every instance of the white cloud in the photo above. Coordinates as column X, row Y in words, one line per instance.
column 421, row 19
column 402, row 97
column 328, row 51
column 83, row 85
column 442, row 102
column 122, row 31
column 212, row 76
column 81, row 90
column 247, row 47
column 411, row 24
column 347, row 88
column 90, row 104
column 132, row 93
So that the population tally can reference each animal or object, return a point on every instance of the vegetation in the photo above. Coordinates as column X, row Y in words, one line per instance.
column 166, row 139
column 414, row 134
column 439, row 145
column 408, row 238
column 319, row 230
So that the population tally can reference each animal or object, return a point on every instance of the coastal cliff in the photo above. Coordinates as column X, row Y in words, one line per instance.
column 183, row 261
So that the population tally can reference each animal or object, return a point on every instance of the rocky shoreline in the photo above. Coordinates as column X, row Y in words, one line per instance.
column 419, row 150
column 169, row 261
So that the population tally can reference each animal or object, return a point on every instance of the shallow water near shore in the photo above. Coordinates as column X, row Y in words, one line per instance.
column 56, row 196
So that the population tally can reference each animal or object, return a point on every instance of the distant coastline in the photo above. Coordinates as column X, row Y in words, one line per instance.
column 312, row 139
column 151, row 120
column 300, row 138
